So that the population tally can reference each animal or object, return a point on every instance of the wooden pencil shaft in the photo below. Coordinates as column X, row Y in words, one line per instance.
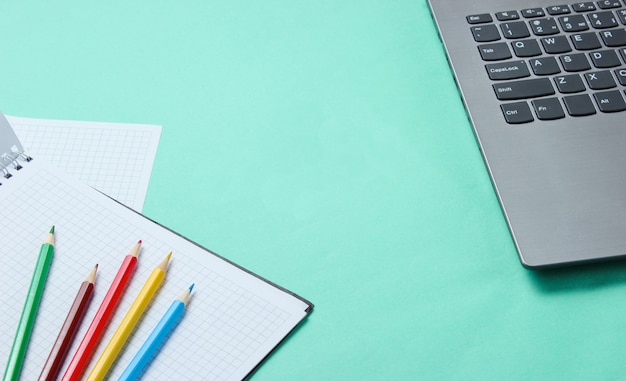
column 67, row 333
column 101, row 320
column 154, row 342
column 29, row 313
column 108, row 356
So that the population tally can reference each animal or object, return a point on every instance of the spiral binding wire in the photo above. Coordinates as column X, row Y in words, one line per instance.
column 12, row 160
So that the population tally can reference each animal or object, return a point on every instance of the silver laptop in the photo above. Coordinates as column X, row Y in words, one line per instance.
column 543, row 83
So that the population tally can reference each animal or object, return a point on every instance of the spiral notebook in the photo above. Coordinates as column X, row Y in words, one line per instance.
column 234, row 319
column 114, row 158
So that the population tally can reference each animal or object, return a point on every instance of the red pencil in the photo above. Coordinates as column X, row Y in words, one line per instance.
column 62, row 344
column 103, row 316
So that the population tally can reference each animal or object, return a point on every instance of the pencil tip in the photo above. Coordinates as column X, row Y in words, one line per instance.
column 52, row 230
column 91, row 277
column 191, row 287
column 165, row 262
column 139, row 242
column 135, row 250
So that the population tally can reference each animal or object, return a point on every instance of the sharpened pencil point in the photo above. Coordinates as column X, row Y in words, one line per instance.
column 135, row 250
column 91, row 277
column 165, row 262
column 50, row 237
column 185, row 296
column 140, row 242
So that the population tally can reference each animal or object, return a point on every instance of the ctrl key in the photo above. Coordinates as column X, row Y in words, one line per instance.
column 516, row 113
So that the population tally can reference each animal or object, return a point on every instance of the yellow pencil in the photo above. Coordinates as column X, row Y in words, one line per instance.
column 127, row 325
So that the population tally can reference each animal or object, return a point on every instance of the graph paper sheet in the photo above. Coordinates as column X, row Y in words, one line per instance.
column 114, row 158
column 234, row 318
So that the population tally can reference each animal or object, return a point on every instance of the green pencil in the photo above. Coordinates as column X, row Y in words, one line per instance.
column 33, row 299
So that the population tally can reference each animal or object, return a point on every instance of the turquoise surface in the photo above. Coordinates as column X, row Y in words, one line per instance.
column 322, row 144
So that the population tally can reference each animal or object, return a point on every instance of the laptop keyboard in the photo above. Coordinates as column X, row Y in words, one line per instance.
column 555, row 62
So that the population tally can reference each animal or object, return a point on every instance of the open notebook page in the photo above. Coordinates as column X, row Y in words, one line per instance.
column 115, row 158
column 234, row 318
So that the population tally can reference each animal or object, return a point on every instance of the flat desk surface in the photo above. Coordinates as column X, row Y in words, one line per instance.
column 322, row 144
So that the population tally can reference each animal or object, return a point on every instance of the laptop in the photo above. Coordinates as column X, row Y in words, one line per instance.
column 544, row 86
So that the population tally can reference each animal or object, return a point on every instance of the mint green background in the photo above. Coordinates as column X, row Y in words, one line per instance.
column 322, row 144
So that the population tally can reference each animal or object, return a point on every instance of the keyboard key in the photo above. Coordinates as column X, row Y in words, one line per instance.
column 544, row 66
column 621, row 76
column 544, row 27
column 514, row 29
column 575, row 62
column 623, row 53
column 516, row 113
column 584, row 7
column 571, row 83
column 528, row 88
column 556, row 45
column 526, row 48
column 479, row 19
column 586, row 41
column 558, row 10
column 604, row 59
column 614, row 37
column 533, row 12
column 573, row 23
column 548, row 109
column 507, row 16
column 610, row 101
column 485, row 33
column 508, row 70
column 608, row 4
column 494, row 52
column 602, row 20
column 579, row 105
column 621, row 14
column 600, row 80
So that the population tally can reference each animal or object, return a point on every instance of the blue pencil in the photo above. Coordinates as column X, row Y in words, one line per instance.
column 153, row 343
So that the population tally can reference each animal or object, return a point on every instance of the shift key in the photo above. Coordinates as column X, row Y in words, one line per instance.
column 529, row 88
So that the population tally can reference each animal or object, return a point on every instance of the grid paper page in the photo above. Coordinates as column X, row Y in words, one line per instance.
column 114, row 158
column 234, row 319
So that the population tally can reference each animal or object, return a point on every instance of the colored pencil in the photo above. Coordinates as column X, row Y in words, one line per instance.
column 129, row 321
column 66, row 335
column 157, row 338
column 29, row 313
column 103, row 316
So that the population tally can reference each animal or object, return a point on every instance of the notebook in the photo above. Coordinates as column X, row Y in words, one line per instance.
column 115, row 158
column 543, row 84
column 233, row 320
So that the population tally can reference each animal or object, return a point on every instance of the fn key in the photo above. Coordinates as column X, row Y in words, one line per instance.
column 518, row 112
column 548, row 109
